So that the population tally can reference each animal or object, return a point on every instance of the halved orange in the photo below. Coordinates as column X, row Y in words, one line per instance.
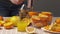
column 47, row 13
column 30, row 29
column 32, row 13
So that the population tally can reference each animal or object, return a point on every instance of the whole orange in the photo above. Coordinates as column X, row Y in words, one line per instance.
column 1, row 18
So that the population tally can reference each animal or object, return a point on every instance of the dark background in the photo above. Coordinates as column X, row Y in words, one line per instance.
column 47, row 5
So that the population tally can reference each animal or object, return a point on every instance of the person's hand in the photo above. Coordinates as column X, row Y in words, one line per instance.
column 16, row 1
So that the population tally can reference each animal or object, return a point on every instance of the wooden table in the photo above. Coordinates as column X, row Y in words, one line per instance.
column 14, row 31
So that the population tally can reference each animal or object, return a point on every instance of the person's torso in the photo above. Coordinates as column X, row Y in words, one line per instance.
column 8, row 4
column 5, row 2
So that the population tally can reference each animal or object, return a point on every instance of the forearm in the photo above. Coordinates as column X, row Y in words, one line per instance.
column 16, row 1
column 29, row 3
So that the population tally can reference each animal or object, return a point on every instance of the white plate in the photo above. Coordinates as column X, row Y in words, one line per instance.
column 50, row 31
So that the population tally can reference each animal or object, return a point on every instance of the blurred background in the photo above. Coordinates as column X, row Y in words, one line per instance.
column 47, row 5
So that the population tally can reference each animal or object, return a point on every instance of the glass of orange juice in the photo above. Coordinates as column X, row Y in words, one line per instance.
column 21, row 26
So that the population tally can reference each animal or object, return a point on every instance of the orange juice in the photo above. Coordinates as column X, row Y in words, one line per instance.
column 22, row 25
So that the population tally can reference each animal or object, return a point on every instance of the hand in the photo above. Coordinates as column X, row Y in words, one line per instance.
column 16, row 1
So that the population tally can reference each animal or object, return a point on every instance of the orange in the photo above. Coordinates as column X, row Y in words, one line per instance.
column 38, row 25
column 9, row 27
column 30, row 30
column 32, row 13
column 47, row 13
column 1, row 18
column 58, row 20
column 35, row 19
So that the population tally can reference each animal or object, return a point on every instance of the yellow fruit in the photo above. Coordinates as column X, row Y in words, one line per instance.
column 7, row 20
column 15, row 20
column 8, row 25
column 1, row 23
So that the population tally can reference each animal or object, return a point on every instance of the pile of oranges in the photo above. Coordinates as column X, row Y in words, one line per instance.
column 41, row 19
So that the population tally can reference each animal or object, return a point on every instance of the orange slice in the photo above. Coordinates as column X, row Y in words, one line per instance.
column 30, row 30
